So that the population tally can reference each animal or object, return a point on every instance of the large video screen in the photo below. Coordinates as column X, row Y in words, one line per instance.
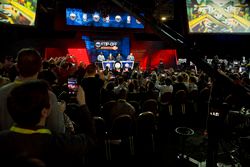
column 218, row 16
column 19, row 12
column 78, row 17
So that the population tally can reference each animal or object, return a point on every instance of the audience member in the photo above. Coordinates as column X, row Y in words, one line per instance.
column 119, row 108
column 29, row 64
column 29, row 106
column 92, row 86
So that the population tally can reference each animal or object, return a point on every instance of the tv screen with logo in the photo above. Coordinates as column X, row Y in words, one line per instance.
column 78, row 17
column 18, row 12
column 218, row 16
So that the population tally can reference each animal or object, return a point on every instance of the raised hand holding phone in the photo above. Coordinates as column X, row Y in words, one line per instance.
column 72, row 86
column 80, row 96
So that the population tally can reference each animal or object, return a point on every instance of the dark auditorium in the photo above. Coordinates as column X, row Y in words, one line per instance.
column 125, row 83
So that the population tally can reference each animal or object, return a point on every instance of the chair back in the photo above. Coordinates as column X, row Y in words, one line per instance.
column 166, row 97
column 150, row 105
column 146, row 128
column 180, row 97
column 100, row 126
column 146, row 123
column 122, row 127
column 136, row 105
column 106, row 109
column 204, row 95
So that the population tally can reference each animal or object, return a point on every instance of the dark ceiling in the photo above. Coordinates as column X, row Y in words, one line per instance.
column 152, row 7
column 173, row 9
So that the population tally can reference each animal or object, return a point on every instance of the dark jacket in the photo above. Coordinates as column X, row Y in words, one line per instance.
column 51, row 148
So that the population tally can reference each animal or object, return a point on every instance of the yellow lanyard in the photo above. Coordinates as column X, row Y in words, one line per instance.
column 29, row 131
column 18, row 81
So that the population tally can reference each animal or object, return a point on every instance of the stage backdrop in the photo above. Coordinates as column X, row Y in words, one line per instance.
column 147, row 53
column 106, row 45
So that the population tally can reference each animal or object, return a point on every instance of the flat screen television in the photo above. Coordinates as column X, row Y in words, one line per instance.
column 218, row 16
column 18, row 12
column 78, row 17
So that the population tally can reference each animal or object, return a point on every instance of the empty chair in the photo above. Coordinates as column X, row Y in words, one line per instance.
column 166, row 97
column 107, row 106
column 101, row 134
column 106, row 109
column 166, row 103
column 122, row 134
column 193, row 99
column 203, row 106
column 179, row 107
column 145, row 132
column 132, row 96
column 180, row 100
column 136, row 105
column 150, row 105
column 101, row 131
column 192, row 105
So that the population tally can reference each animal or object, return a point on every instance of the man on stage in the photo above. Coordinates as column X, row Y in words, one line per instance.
column 131, row 57
column 100, row 57
column 119, row 57
column 111, row 57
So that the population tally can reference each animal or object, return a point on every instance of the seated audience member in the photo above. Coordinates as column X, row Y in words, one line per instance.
column 29, row 106
column 121, row 85
column 29, row 63
column 164, row 85
column 151, row 92
column 119, row 108
column 108, row 94
column 46, row 74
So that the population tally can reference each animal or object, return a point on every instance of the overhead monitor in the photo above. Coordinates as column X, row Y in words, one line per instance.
column 218, row 16
column 18, row 12
column 78, row 17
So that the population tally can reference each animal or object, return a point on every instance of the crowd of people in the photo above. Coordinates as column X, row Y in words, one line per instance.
column 35, row 124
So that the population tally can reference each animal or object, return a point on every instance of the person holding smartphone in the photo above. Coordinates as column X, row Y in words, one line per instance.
column 72, row 86
column 29, row 106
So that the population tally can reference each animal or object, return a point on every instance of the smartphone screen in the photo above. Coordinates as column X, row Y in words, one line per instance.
column 72, row 86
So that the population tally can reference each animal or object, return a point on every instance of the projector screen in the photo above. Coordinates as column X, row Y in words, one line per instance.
column 78, row 17
column 18, row 12
column 218, row 16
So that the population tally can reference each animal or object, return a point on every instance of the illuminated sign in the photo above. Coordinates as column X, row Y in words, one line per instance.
column 78, row 17
column 106, row 45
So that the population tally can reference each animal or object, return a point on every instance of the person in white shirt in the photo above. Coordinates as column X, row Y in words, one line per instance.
column 101, row 57
column 131, row 57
